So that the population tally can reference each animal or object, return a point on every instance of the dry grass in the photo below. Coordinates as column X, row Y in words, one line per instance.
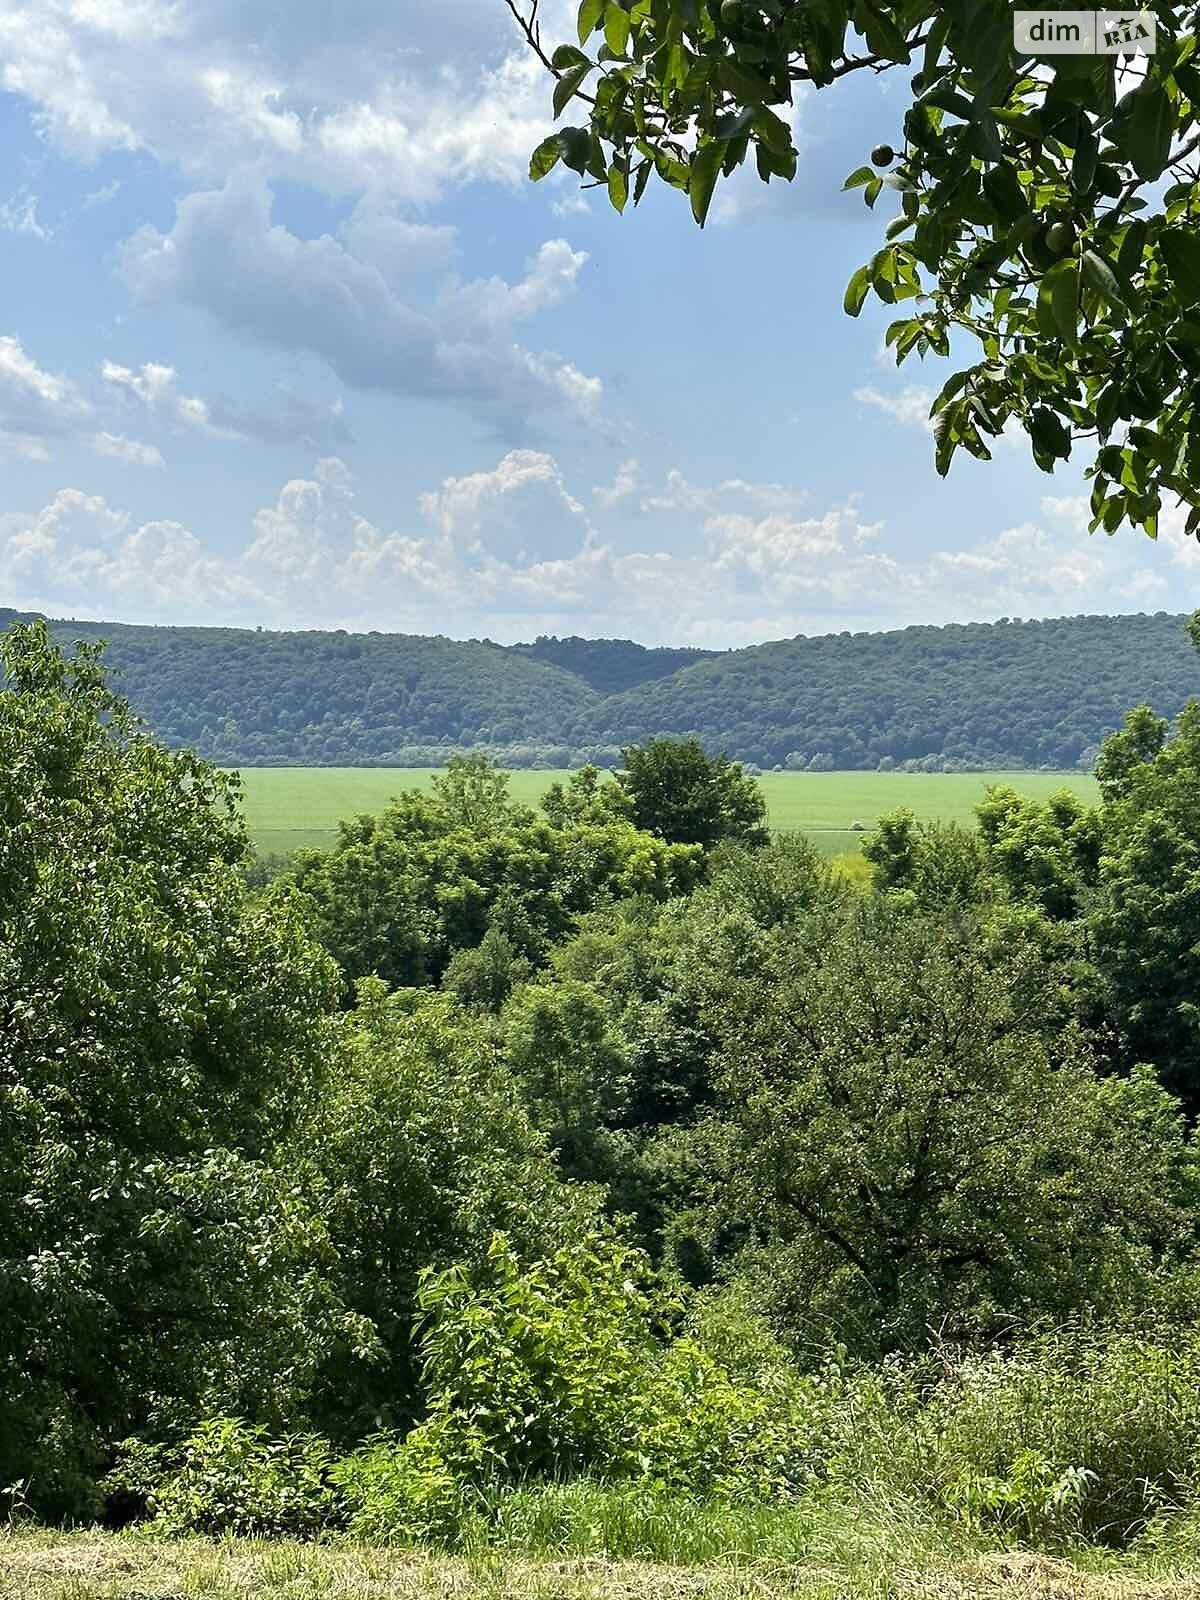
column 97, row 1566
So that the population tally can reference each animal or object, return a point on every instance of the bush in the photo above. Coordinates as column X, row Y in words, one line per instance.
column 231, row 1477
column 559, row 1372
column 425, row 1489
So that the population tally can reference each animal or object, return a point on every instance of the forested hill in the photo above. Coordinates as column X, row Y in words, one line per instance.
column 980, row 694
column 612, row 665
column 1020, row 694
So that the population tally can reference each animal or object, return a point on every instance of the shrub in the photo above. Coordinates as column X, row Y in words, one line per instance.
column 231, row 1477
column 425, row 1489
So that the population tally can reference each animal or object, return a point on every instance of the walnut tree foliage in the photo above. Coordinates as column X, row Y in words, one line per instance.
column 1046, row 208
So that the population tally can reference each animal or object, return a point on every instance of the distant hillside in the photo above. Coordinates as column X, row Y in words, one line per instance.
column 338, row 699
column 977, row 695
column 1005, row 694
column 611, row 666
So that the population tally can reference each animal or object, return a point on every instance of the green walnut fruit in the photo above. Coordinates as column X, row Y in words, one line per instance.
column 883, row 155
column 1060, row 236
column 732, row 13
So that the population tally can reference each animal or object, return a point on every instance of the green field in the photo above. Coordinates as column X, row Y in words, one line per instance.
column 291, row 807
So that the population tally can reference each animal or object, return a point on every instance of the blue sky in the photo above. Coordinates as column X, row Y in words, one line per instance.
column 287, row 339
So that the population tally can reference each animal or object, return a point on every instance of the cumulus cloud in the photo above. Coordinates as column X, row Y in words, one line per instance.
column 156, row 387
column 363, row 106
column 678, row 494
column 518, row 511
column 511, row 551
column 287, row 417
column 79, row 553
column 41, row 411
column 226, row 256
column 36, row 406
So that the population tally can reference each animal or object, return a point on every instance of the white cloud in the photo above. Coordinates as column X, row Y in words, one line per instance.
column 626, row 482
column 489, row 303
column 288, row 416
column 36, row 406
column 509, row 551
column 80, row 553
column 19, row 214
column 225, row 255
column 368, row 106
column 909, row 405
column 379, row 235
column 678, row 494
column 520, row 511
column 156, row 386
column 131, row 451
column 102, row 196
column 313, row 536
column 571, row 204
column 1026, row 565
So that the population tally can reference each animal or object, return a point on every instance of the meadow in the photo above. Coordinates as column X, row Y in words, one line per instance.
column 886, row 1564
column 290, row 808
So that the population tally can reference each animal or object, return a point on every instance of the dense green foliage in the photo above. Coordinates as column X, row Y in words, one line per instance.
column 159, row 1031
column 611, row 666
column 1016, row 694
column 635, row 1154
column 1046, row 209
column 1008, row 695
column 683, row 795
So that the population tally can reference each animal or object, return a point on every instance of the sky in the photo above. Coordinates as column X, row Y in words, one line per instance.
column 288, row 340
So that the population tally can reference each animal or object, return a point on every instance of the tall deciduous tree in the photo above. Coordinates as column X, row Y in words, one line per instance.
column 686, row 796
column 158, row 1030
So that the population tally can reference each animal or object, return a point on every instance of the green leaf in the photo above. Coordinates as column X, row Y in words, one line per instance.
column 856, row 291
column 1133, row 245
column 1003, row 188
column 773, row 131
column 859, row 177
column 1180, row 248
column 1051, row 438
column 880, row 32
column 1142, row 128
column 946, row 437
column 1084, row 161
column 545, row 158
column 702, row 176
column 575, row 147
column 566, row 57
column 746, row 86
column 616, row 28
column 567, row 85
column 590, row 13
column 618, row 187
column 1058, row 302
column 1098, row 275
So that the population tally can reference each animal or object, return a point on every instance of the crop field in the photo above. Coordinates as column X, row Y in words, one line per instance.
column 289, row 808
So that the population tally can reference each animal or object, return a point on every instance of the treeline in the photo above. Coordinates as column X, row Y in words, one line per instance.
column 1011, row 694
column 502, row 1170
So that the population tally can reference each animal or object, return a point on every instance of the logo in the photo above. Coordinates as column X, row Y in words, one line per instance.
column 1084, row 33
